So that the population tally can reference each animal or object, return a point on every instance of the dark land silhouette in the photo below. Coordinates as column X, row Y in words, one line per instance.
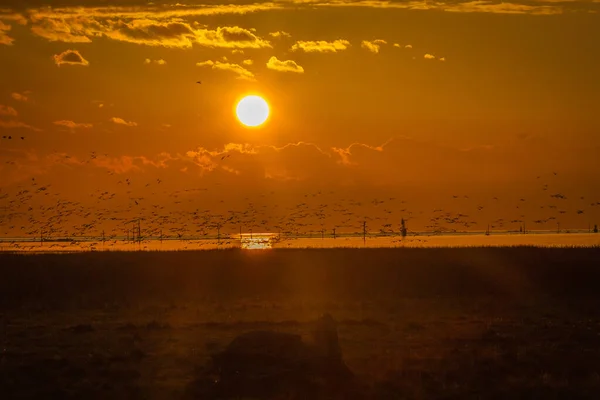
column 516, row 322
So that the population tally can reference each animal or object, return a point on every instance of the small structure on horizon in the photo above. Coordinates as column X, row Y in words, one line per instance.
column 595, row 228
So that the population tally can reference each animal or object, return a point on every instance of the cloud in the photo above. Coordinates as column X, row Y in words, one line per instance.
column 321, row 46
column 157, row 62
column 478, row 6
column 346, row 152
column 70, row 57
column 4, row 38
column 408, row 46
column 284, row 66
column 261, row 161
column 17, row 124
column 442, row 58
column 9, row 15
column 121, row 121
column 373, row 46
column 7, row 111
column 125, row 163
column 429, row 56
column 19, row 97
column 137, row 26
column 241, row 72
column 209, row 63
column 279, row 34
column 152, row 33
column 248, row 62
column 72, row 125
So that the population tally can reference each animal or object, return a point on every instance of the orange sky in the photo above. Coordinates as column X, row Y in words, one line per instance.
column 370, row 101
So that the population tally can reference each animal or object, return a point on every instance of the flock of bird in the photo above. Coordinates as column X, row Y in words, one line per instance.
column 10, row 137
column 135, row 208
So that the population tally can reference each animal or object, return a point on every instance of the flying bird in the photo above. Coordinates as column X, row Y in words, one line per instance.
column 199, row 82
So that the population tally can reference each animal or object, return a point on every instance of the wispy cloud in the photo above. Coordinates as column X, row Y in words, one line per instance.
column 241, row 72
column 121, row 121
column 428, row 56
column 148, row 61
column 346, row 152
column 279, row 34
column 72, row 125
column 12, row 124
column 373, row 46
column 4, row 38
column 8, row 111
column 321, row 46
column 70, row 57
column 478, row 6
column 284, row 66
column 19, row 96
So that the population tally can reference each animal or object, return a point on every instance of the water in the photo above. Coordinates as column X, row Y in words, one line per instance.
column 260, row 241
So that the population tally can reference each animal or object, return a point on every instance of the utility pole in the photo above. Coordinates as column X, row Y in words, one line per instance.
column 364, row 231
column 218, row 233
column 334, row 233
column 403, row 227
column 558, row 227
column 139, row 232
column 102, row 236
column 161, row 235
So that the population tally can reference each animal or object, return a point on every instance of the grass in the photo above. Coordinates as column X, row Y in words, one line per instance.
column 518, row 322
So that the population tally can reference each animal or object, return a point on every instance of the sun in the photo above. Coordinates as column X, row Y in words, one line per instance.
column 252, row 111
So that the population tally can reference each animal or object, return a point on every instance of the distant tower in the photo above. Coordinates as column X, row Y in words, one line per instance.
column 403, row 227
column 595, row 228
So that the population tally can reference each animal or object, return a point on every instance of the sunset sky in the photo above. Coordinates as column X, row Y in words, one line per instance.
column 411, row 103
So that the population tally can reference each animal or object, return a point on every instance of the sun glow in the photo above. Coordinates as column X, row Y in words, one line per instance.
column 252, row 111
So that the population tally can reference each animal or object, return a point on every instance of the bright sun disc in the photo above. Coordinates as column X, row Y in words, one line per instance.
column 252, row 110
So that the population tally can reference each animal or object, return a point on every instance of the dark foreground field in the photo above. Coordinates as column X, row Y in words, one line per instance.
column 500, row 323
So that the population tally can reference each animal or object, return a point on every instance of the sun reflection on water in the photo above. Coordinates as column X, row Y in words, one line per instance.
column 258, row 241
